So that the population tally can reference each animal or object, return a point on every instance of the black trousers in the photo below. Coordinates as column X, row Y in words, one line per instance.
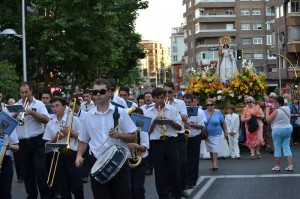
column 166, row 166
column 6, row 176
column 138, row 180
column 296, row 134
column 33, row 161
column 117, row 188
column 87, row 163
column 182, row 152
column 17, row 160
column 55, row 188
column 69, row 177
column 193, row 154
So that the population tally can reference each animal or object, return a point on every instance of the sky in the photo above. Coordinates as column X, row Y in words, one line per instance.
column 156, row 22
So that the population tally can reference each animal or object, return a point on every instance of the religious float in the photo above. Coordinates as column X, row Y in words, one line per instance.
column 226, row 84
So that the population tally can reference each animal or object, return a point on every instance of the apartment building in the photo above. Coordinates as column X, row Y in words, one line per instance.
column 155, row 66
column 252, row 26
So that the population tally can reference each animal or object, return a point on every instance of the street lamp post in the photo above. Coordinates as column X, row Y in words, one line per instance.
column 23, row 36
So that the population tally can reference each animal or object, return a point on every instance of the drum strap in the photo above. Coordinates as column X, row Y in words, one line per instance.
column 116, row 117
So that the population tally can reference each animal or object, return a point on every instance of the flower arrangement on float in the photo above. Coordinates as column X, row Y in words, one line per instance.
column 207, row 84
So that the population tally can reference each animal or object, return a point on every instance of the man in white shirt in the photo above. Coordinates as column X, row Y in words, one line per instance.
column 32, row 145
column 99, row 126
column 69, row 177
column 166, row 162
column 148, row 99
column 124, row 93
column 169, row 87
column 88, row 103
column 194, row 124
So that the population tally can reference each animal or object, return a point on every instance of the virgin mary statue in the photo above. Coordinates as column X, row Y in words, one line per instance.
column 228, row 67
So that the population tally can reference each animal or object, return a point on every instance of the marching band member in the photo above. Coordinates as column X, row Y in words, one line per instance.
column 165, row 156
column 46, row 97
column 69, row 177
column 124, row 93
column 86, row 164
column 169, row 87
column 99, row 125
column 140, row 100
column 88, row 103
column 31, row 143
column 138, row 173
column 194, row 124
column 6, row 172
column 115, row 99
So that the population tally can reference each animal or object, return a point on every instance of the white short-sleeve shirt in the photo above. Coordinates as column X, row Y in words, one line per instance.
column 13, row 139
column 144, row 139
column 199, row 119
column 32, row 127
column 181, row 107
column 170, row 112
column 97, row 126
column 54, row 126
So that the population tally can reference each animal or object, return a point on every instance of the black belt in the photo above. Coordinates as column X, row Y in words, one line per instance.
column 31, row 138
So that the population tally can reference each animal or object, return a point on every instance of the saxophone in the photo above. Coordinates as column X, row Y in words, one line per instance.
column 163, row 127
column 135, row 154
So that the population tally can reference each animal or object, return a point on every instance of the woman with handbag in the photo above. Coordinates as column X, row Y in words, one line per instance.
column 295, row 113
column 214, row 126
column 281, row 133
column 254, row 138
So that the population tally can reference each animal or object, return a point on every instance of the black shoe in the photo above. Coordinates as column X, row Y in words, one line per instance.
column 190, row 186
column 148, row 172
column 184, row 194
column 85, row 180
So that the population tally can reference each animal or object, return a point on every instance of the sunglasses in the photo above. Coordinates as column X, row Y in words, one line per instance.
column 169, row 91
column 101, row 92
column 249, row 102
column 271, row 97
column 209, row 105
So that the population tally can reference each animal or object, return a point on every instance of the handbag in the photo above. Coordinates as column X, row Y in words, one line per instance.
column 204, row 133
column 252, row 124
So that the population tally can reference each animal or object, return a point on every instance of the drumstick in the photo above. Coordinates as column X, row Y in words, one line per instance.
column 108, row 137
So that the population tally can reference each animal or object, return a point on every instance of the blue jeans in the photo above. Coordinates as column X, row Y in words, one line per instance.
column 281, row 139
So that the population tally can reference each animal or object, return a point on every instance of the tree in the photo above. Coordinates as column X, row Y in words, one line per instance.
column 8, row 80
column 81, row 40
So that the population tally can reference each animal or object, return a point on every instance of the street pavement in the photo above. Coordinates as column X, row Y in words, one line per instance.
column 235, row 179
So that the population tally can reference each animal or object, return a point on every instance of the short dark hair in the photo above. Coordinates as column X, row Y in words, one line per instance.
column 188, row 96
column 102, row 81
column 57, row 93
column 61, row 100
column 170, row 84
column 138, row 110
column 77, row 101
column 113, row 83
column 280, row 100
column 158, row 91
column 124, row 88
column 232, row 107
column 25, row 84
column 87, row 91
column 47, row 92
column 140, row 97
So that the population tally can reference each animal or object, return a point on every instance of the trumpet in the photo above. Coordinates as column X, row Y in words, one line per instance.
column 136, row 155
column 163, row 127
column 21, row 116
column 66, row 150
column 187, row 131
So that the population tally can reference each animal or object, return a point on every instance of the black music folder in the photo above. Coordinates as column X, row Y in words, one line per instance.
column 15, row 108
column 192, row 110
column 7, row 123
column 141, row 121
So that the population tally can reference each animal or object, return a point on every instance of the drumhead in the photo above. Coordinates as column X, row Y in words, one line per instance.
column 104, row 157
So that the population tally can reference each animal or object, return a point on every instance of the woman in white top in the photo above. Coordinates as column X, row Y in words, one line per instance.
column 281, row 132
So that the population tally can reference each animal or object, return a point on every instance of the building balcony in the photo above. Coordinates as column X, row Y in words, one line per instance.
column 293, row 46
column 216, row 3
column 216, row 18
column 215, row 33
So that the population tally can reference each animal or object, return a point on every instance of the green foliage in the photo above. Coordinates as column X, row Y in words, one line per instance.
column 8, row 80
column 80, row 40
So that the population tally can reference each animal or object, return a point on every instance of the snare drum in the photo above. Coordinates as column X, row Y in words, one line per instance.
column 108, row 164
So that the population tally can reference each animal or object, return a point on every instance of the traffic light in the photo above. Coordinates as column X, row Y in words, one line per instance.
column 296, row 85
column 239, row 54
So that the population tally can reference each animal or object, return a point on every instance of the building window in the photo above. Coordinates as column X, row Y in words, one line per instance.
column 256, row 12
column 190, row 4
column 257, row 40
column 245, row 27
column 294, row 33
column 197, row 27
column 271, row 56
column 246, row 41
column 245, row 12
column 190, row 31
column 175, row 58
column 256, row 26
column 258, row 56
column 185, row 33
column 174, row 40
column 247, row 56
column 294, row 6
column 269, row 40
column 174, row 49
column 180, row 72
column 269, row 11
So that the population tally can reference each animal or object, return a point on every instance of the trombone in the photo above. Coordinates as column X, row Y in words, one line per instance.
column 67, row 149
column 21, row 116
